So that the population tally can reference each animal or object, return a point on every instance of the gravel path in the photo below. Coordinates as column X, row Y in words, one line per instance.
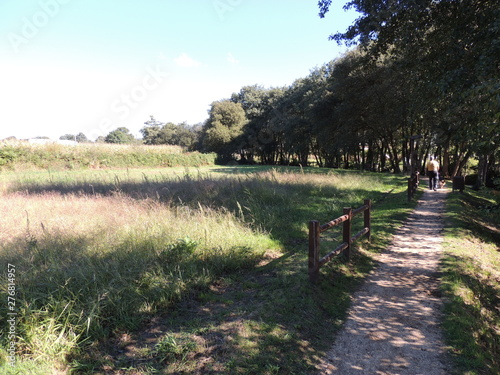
column 393, row 324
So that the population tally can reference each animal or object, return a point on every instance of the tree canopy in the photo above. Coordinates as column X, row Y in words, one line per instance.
column 451, row 50
column 80, row 137
column 223, row 127
column 120, row 135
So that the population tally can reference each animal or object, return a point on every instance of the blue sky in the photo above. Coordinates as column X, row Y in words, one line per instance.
column 70, row 66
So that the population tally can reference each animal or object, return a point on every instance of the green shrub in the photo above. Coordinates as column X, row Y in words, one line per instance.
column 8, row 155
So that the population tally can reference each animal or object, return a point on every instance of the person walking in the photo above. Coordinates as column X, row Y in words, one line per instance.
column 433, row 173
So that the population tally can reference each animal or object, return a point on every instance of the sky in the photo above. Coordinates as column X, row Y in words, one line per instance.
column 91, row 66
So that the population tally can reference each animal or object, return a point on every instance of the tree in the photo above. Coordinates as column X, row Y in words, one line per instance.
column 68, row 137
column 159, row 133
column 187, row 136
column 120, row 135
column 451, row 49
column 263, row 134
column 80, row 137
column 150, row 133
column 223, row 127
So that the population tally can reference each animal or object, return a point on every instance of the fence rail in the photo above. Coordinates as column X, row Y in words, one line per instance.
column 315, row 230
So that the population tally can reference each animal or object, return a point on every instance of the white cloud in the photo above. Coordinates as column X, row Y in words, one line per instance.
column 185, row 61
column 232, row 59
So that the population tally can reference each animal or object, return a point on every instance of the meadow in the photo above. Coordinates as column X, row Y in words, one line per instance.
column 203, row 269
column 216, row 256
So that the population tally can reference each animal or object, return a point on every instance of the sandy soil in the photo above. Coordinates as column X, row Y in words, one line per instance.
column 393, row 324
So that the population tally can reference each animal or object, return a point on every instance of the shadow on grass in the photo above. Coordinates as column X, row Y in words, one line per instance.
column 481, row 216
column 471, row 327
column 70, row 291
column 267, row 321
column 281, row 208
column 263, row 320
column 470, row 282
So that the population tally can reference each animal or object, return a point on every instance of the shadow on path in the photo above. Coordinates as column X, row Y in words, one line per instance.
column 393, row 324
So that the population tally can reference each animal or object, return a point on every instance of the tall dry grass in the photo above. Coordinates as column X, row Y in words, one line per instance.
column 99, row 253
column 88, row 266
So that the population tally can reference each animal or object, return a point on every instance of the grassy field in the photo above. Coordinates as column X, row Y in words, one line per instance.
column 171, row 271
column 471, row 281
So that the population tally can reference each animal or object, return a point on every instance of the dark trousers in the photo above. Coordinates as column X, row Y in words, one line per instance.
column 433, row 179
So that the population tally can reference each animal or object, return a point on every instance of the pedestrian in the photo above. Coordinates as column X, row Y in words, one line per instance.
column 433, row 173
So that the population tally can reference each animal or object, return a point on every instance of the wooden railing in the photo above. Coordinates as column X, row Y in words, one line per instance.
column 315, row 230
column 413, row 182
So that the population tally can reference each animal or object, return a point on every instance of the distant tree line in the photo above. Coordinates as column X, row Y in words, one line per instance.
column 154, row 133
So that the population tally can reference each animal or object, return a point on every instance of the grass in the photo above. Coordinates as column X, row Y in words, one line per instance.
column 21, row 156
column 182, row 271
column 471, row 281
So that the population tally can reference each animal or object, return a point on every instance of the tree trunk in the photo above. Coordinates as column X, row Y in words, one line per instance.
column 481, row 172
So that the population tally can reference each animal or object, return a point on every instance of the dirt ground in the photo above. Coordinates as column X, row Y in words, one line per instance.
column 393, row 324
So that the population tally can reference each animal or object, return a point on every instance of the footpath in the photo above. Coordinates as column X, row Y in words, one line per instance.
column 393, row 323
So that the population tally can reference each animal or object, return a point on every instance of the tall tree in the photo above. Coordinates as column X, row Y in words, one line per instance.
column 223, row 127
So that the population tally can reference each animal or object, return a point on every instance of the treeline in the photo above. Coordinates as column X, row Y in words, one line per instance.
column 427, row 71
column 424, row 80
column 154, row 132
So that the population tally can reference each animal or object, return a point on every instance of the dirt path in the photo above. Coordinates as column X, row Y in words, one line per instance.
column 393, row 324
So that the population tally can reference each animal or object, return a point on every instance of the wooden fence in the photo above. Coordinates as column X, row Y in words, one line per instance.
column 315, row 229
column 413, row 182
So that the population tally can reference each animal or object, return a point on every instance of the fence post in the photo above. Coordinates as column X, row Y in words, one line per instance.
column 347, row 231
column 410, row 187
column 314, row 250
column 368, row 202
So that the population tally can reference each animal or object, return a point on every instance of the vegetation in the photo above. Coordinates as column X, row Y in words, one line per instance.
column 120, row 135
column 424, row 74
column 442, row 58
column 19, row 156
column 158, row 133
column 223, row 127
column 215, row 261
column 471, row 281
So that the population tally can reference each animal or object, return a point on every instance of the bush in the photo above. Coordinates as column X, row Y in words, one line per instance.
column 8, row 155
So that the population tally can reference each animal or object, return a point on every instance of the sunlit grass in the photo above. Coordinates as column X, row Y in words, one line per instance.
column 471, row 282
column 100, row 253
column 88, row 266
